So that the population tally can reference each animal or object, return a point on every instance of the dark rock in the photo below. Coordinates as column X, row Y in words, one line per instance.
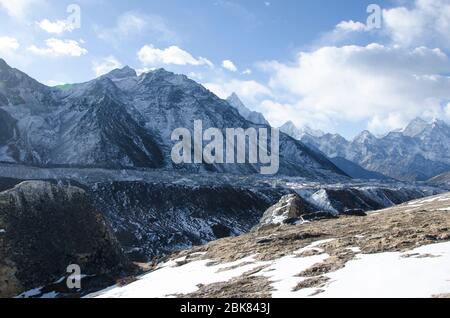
column 354, row 212
column 48, row 227
column 221, row 231
column 320, row 215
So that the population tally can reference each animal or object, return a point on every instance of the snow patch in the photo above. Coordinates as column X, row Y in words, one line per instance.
column 391, row 275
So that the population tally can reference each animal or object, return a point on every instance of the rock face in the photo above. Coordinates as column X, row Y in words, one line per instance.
column 43, row 229
column 153, row 220
column 290, row 209
column 122, row 120
column 442, row 180
column 403, row 251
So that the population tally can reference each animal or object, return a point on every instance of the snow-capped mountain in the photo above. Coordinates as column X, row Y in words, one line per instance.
column 124, row 120
column 415, row 127
column 251, row 116
column 418, row 152
column 292, row 130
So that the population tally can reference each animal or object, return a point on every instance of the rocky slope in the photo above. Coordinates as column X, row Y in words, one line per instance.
column 356, row 171
column 43, row 229
column 442, row 180
column 122, row 120
column 153, row 214
column 418, row 152
column 402, row 251
column 154, row 219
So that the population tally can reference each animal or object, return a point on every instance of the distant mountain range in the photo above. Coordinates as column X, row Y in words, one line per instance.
column 416, row 153
column 121, row 120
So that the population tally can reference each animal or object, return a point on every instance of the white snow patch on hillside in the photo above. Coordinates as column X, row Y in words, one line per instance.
column 170, row 279
column 390, row 275
column 422, row 272
column 282, row 273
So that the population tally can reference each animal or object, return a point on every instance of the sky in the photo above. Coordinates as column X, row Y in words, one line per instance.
column 339, row 66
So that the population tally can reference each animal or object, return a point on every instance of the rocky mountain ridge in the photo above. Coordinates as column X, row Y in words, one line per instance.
column 416, row 153
column 121, row 120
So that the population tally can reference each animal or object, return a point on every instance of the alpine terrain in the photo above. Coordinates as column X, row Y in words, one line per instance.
column 86, row 178
column 417, row 153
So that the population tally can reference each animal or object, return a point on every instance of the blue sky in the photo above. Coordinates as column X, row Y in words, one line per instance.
column 316, row 63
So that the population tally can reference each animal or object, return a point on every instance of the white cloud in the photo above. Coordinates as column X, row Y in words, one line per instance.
column 196, row 76
column 249, row 91
column 343, row 32
column 351, row 26
column 17, row 8
column 8, row 44
column 151, row 56
column 247, row 72
column 229, row 65
column 420, row 23
column 426, row 22
column 382, row 86
column 57, row 27
column 105, row 65
column 279, row 113
column 131, row 23
column 56, row 48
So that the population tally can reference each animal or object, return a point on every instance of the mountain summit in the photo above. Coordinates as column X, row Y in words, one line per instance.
column 298, row 133
column 251, row 116
column 418, row 152
column 121, row 120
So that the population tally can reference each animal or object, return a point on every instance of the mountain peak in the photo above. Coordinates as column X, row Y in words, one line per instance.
column 289, row 124
column 297, row 133
column 234, row 96
column 245, row 112
column 236, row 102
column 415, row 127
column 122, row 73
column 365, row 136
column 161, row 71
